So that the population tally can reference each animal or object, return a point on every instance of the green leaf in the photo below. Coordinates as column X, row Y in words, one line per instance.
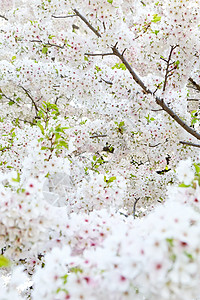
column 14, row 57
column 63, row 144
column 40, row 126
column 51, row 36
column 111, row 179
column 170, row 242
column 110, row 1
column 44, row 50
column 40, row 140
column 197, row 168
column 156, row 32
column 76, row 270
column 121, row 124
column 189, row 255
column 97, row 68
column 184, row 185
column 4, row 262
column 16, row 179
column 156, row 18
column 132, row 176
column 119, row 66
column 65, row 278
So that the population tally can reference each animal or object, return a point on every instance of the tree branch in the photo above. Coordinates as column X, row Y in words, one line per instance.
column 54, row 45
column 47, row 44
column 99, row 54
column 158, row 100
column 167, row 71
column 3, row 17
column 156, row 145
column 106, row 81
column 191, row 99
column 8, row 98
column 30, row 97
column 98, row 136
column 86, row 22
column 196, row 85
column 63, row 17
column 189, row 144
column 134, row 206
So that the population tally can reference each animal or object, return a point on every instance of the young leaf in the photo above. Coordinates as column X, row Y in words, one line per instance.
column 156, row 18
column 44, row 50
column 4, row 262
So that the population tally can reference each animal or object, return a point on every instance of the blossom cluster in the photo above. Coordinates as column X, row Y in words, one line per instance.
column 99, row 182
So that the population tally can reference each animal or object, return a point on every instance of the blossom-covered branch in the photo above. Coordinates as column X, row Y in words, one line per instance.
column 159, row 101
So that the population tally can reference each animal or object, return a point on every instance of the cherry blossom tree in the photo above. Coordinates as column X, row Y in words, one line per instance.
column 99, row 105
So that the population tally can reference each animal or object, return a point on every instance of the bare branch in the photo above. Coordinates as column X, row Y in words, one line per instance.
column 189, row 144
column 86, row 22
column 158, row 100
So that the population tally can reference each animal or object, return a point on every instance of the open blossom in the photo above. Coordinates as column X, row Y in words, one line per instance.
column 185, row 171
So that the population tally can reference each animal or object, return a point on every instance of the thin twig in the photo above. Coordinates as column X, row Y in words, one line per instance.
column 30, row 97
column 157, row 109
column 134, row 206
column 152, row 146
column 47, row 44
column 167, row 67
column 106, row 81
column 10, row 99
column 3, row 17
column 63, row 17
column 25, row 121
column 191, row 99
column 197, row 86
column 98, row 136
column 86, row 22
column 54, row 45
column 99, row 54
column 189, row 144
column 36, row 41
